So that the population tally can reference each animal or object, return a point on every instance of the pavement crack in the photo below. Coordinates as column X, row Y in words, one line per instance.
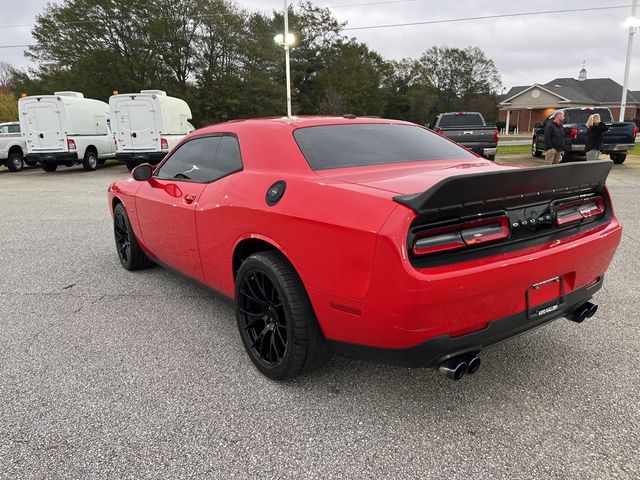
column 69, row 286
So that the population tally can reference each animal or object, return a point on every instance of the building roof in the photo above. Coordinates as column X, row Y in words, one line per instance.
column 596, row 90
column 592, row 91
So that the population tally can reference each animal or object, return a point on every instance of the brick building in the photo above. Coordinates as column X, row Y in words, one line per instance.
column 523, row 106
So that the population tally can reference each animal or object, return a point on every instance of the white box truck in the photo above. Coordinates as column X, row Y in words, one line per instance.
column 147, row 125
column 12, row 146
column 66, row 129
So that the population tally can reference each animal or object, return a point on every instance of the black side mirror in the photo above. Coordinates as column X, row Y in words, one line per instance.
column 538, row 124
column 142, row 173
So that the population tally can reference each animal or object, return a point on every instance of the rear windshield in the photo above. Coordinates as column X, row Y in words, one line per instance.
column 460, row 120
column 340, row 146
column 581, row 116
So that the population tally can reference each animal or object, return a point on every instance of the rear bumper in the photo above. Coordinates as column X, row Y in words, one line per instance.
column 617, row 148
column 439, row 349
column 59, row 158
column 464, row 305
column 141, row 157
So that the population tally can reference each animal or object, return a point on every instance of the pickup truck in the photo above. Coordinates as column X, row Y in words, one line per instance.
column 12, row 146
column 469, row 130
column 620, row 137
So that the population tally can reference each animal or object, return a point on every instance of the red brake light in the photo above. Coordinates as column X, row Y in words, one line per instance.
column 635, row 131
column 71, row 144
column 574, row 133
column 578, row 210
column 495, row 136
column 453, row 237
column 164, row 144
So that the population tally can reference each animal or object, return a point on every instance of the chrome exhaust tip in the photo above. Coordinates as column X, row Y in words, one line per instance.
column 453, row 369
column 473, row 364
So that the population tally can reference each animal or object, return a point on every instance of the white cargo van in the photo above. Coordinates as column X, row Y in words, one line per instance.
column 66, row 129
column 147, row 125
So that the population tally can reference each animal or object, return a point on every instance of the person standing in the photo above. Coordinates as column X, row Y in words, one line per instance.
column 554, row 139
column 595, row 136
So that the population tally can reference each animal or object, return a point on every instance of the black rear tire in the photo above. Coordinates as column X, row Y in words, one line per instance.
column 618, row 158
column 14, row 162
column 49, row 167
column 130, row 254
column 131, row 166
column 90, row 161
column 273, row 308
column 102, row 161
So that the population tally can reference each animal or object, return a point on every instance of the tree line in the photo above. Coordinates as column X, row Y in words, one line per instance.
column 223, row 61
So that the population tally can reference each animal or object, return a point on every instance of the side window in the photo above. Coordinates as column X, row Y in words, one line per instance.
column 228, row 158
column 14, row 128
column 203, row 160
column 193, row 160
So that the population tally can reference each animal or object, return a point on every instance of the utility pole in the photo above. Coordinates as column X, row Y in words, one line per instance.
column 633, row 28
column 286, row 55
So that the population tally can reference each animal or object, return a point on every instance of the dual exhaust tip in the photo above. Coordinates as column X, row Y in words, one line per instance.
column 457, row 367
column 584, row 311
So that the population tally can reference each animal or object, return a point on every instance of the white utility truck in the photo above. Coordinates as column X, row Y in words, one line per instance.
column 147, row 125
column 66, row 129
column 12, row 146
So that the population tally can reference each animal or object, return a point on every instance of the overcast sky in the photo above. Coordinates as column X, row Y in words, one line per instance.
column 526, row 49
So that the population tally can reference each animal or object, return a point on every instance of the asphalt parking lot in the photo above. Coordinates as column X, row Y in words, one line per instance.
column 111, row 374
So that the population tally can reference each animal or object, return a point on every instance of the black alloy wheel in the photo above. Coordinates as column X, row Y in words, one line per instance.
column 277, row 324
column 130, row 254
column 264, row 322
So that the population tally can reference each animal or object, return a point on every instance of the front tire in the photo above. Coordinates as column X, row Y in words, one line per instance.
column 130, row 254
column 618, row 158
column 90, row 161
column 277, row 324
column 534, row 149
column 14, row 162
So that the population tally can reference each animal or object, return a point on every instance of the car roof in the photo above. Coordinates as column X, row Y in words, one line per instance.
column 293, row 123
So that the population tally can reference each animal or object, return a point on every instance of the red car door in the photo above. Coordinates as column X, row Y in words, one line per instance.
column 167, row 203
column 166, row 213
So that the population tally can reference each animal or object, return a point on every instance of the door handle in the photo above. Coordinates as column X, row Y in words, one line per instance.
column 134, row 134
column 189, row 198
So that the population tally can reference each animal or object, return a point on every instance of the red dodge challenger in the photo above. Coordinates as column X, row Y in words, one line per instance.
column 378, row 239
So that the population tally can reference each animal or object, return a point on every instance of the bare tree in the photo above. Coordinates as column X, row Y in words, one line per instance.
column 6, row 77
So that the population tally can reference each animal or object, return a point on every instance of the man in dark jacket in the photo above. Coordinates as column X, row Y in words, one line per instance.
column 554, row 139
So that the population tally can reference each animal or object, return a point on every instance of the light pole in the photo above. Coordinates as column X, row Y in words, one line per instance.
column 634, row 24
column 286, row 41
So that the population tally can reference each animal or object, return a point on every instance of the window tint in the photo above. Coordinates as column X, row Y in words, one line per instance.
column 460, row 120
column 203, row 160
column 581, row 116
column 339, row 146
column 228, row 158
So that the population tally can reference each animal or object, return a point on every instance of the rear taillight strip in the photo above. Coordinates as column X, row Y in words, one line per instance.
column 578, row 210
column 462, row 235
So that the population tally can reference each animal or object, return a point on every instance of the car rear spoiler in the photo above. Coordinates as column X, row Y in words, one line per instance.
column 504, row 188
